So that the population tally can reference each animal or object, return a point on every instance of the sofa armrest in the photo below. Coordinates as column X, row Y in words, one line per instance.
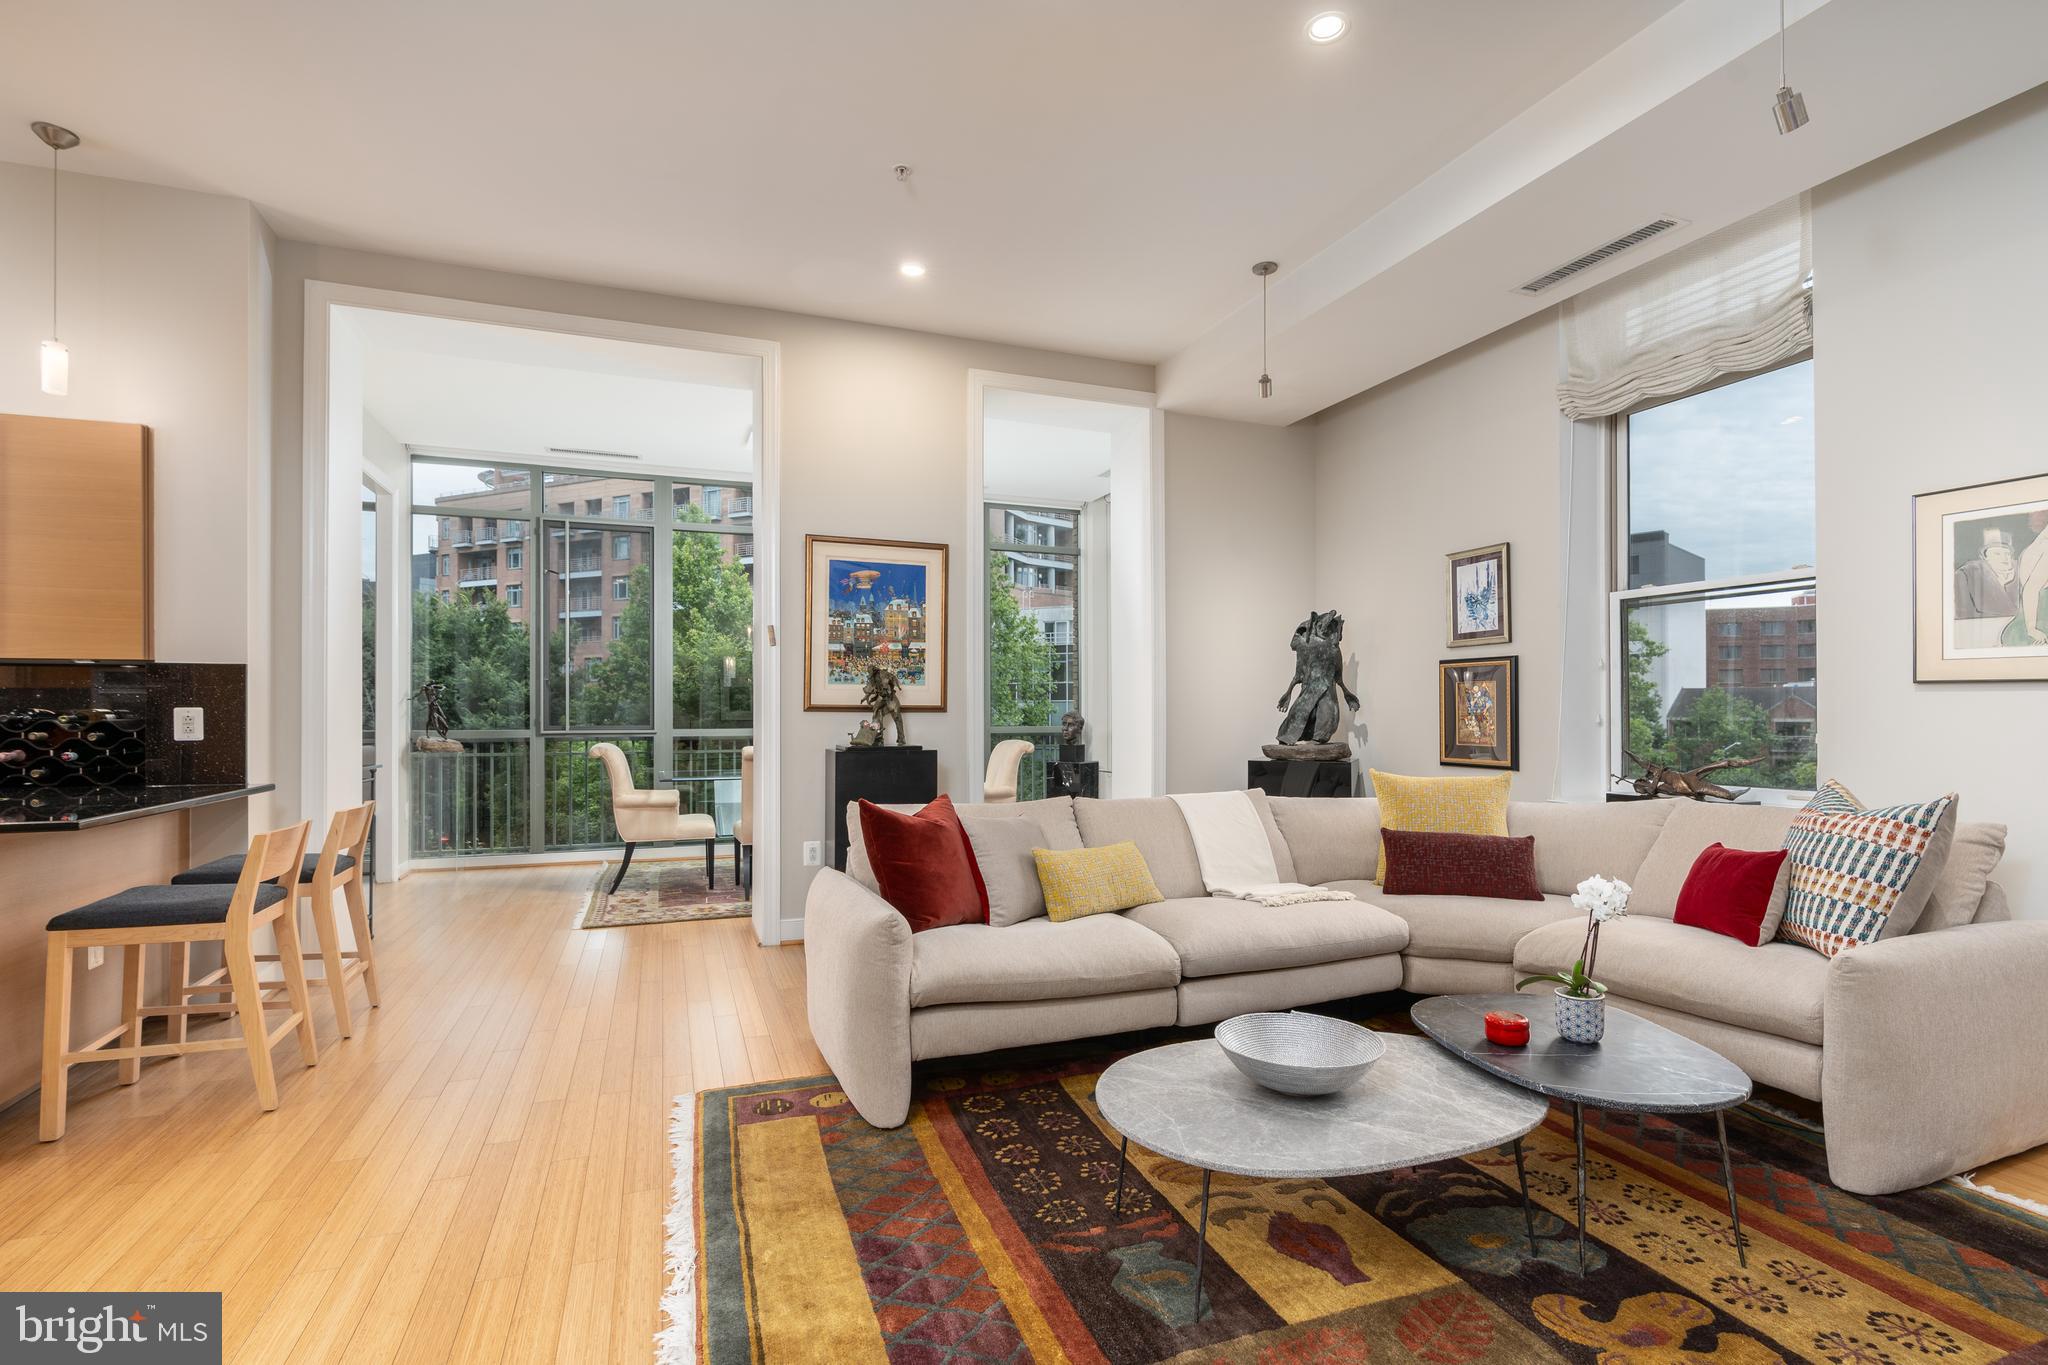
column 1921, row 1057
column 857, row 988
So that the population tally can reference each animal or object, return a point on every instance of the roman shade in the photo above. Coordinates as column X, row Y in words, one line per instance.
column 1731, row 303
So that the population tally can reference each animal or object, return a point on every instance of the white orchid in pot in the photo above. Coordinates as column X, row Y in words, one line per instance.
column 1581, row 1000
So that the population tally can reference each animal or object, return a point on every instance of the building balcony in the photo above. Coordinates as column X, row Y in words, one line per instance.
column 479, row 579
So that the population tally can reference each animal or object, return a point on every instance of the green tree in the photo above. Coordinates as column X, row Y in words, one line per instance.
column 479, row 653
column 1019, row 660
column 1722, row 725
column 1646, row 739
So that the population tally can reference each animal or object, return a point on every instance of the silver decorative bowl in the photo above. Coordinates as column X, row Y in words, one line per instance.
column 1299, row 1054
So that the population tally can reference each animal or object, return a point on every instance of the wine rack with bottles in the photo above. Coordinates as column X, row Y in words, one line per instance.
column 86, row 748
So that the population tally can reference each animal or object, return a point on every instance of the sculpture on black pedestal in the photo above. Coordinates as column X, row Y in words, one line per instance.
column 1313, row 716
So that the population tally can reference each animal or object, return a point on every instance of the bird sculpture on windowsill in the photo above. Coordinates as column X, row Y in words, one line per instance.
column 1658, row 780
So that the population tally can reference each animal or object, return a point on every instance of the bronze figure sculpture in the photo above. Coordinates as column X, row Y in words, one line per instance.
column 436, row 721
column 1658, row 780
column 1312, row 717
column 881, row 695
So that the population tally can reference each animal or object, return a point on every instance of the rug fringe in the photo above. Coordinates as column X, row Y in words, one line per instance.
column 676, row 1344
column 1968, row 1180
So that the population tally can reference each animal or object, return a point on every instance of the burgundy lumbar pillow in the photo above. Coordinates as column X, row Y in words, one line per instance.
column 1729, row 891
column 1420, row 863
column 924, row 864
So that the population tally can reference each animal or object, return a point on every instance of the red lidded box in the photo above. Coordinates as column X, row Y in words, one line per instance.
column 1507, row 1028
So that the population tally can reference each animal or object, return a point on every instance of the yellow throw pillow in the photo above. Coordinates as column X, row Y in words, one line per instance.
column 1439, row 805
column 1091, row 881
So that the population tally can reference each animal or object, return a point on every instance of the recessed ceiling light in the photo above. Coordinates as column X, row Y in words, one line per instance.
column 1327, row 27
column 912, row 269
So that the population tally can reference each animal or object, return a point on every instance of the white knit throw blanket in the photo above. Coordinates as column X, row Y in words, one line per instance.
column 1236, row 859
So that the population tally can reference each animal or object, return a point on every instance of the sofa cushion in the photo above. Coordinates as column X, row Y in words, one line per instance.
column 924, row 865
column 1578, row 840
column 1776, row 989
column 1856, row 872
column 1959, row 889
column 1002, row 850
column 1214, row 935
column 1093, row 881
column 1037, row 960
column 1688, row 829
column 1735, row 891
column 1494, row 865
column 1283, row 857
column 1456, row 805
column 1054, row 816
column 1155, row 825
column 1472, row 928
column 1330, row 839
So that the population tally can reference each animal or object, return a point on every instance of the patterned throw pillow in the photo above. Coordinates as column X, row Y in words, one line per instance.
column 1440, row 805
column 1851, row 867
column 1092, row 881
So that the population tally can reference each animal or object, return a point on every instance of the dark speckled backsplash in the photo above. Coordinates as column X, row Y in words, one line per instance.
column 148, row 691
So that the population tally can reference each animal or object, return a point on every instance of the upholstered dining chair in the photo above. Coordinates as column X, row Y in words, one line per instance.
column 743, row 828
column 652, row 817
column 1004, row 763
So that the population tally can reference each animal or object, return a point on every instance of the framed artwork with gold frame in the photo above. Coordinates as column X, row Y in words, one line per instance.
column 1478, row 713
column 1980, row 583
column 873, row 602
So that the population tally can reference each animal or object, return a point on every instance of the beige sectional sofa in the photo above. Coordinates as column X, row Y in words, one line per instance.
column 1922, row 1049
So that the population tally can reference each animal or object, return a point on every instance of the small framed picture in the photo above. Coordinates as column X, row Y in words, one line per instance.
column 1478, row 582
column 1980, row 583
column 1479, row 722
column 873, row 602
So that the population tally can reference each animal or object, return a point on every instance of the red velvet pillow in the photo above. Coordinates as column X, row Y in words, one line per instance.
column 1729, row 891
column 1419, row 863
column 924, row 864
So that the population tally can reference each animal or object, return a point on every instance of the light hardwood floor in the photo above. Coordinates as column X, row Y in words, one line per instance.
column 479, row 1175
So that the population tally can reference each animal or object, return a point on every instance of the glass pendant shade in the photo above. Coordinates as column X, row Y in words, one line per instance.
column 56, row 368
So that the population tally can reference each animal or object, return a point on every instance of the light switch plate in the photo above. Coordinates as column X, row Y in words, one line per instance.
column 188, row 723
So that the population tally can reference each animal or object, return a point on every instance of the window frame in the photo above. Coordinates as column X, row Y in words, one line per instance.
column 1621, row 597
column 1075, row 556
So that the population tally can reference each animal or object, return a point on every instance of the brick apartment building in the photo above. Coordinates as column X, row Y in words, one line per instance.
column 1761, row 646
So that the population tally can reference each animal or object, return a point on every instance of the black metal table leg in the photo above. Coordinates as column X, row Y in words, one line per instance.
column 1728, row 1180
column 1201, row 1246
column 1579, row 1140
column 1123, row 1155
column 1528, row 1213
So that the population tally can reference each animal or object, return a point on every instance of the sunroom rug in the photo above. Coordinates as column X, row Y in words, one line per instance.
column 662, row 893
column 981, row 1231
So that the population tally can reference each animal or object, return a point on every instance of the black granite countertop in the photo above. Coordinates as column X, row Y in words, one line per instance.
column 25, row 810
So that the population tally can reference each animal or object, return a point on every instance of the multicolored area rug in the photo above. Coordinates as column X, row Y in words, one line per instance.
column 981, row 1231
column 663, row 893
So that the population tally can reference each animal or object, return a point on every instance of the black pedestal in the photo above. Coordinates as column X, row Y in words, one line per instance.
column 886, row 774
column 1087, row 779
column 1299, row 777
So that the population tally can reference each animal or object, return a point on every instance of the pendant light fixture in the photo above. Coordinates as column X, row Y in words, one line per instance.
column 56, row 358
column 1264, row 270
column 1790, row 106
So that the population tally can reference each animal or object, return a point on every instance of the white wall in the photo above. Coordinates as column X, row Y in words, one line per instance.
column 1239, row 578
column 164, row 303
column 1461, row 453
column 1931, row 291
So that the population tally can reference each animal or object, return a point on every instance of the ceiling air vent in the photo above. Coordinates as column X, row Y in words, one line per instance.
column 1601, row 253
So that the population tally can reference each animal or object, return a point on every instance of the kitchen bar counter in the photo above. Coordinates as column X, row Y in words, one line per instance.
column 28, row 809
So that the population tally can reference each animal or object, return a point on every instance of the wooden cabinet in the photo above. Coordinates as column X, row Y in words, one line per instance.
column 74, row 539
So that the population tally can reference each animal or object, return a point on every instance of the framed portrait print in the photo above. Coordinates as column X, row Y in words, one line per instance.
column 873, row 602
column 1478, row 581
column 1980, row 583
column 1478, row 715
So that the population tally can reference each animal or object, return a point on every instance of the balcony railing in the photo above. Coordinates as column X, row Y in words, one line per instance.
column 475, row 801
column 1045, row 748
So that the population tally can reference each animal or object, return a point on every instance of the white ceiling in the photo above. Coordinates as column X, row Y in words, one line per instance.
column 1095, row 178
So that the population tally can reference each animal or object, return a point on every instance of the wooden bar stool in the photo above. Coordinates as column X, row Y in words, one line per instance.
column 181, row 916
column 338, row 866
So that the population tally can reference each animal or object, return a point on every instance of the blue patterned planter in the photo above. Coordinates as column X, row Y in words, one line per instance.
column 1581, row 1020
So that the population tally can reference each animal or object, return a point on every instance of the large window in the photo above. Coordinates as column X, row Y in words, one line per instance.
column 1034, row 607
column 537, row 665
column 1716, row 576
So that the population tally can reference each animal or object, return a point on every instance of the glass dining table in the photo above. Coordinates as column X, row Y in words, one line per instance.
column 718, row 797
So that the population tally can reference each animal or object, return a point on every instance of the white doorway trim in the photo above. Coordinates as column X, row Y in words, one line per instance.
column 319, row 757
column 1153, row 547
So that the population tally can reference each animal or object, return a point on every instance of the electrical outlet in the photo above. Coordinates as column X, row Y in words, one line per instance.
column 95, row 956
column 814, row 853
column 188, row 723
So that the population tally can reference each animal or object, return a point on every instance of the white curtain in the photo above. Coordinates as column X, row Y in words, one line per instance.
column 1728, row 304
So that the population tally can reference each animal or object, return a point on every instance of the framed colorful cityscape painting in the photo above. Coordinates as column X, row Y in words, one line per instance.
column 869, row 602
column 1478, row 713
column 1479, row 597
column 1980, row 583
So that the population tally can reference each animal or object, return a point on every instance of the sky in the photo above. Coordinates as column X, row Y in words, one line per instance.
column 1729, row 473
column 896, row 580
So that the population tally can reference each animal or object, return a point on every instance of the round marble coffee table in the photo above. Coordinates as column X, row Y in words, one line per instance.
column 1638, row 1067
column 1417, row 1104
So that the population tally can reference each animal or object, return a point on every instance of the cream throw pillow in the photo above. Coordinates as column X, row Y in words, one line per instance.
column 1440, row 805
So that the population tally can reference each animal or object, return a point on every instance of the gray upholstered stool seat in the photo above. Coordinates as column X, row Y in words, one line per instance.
column 227, row 871
column 140, row 907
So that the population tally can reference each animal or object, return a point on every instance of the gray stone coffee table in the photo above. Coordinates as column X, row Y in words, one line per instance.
column 1417, row 1104
column 1638, row 1067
